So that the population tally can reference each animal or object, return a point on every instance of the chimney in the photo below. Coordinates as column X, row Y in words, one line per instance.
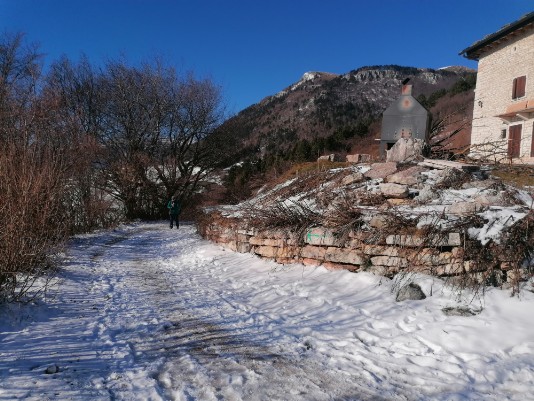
column 406, row 89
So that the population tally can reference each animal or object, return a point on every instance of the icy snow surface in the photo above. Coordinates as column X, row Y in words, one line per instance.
column 148, row 313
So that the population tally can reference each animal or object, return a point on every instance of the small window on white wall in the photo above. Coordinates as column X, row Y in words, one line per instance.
column 503, row 133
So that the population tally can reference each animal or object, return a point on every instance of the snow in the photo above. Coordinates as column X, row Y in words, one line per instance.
column 307, row 76
column 497, row 220
column 148, row 313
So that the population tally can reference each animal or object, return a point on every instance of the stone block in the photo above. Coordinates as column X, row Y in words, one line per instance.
column 450, row 269
column 242, row 237
column 353, row 158
column 340, row 266
column 471, row 266
column 284, row 261
column 273, row 242
column 393, row 261
column 330, row 158
column 458, row 252
column 379, row 221
column 232, row 245
column 514, row 276
column 352, row 178
column 487, row 200
column 243, row 247
column 405, row 150
column 359, row 235
column 392, row 202
column 256, row 241
column 378, row 270
column 451, row 239
column 410, row 176
column 287, row 252
column 461, row 208
column 390, row 190
column 354, row 244
column 454, row 239
column 310, row 262
column 343, row 255
column 313, row 252
column 404, row 240
column 276, row 234
column 507, row 266
column 266, row 251
column 381, row 170
column 248, row 231
column 378, row 250
column 436, row 259
column 410, row 292
column 321, row 236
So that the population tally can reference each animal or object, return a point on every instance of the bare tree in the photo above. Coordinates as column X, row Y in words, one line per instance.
column 155, row 129
column 74, row 88
column 186, row 155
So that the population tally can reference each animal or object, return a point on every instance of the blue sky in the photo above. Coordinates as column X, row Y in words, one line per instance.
column 255, row 48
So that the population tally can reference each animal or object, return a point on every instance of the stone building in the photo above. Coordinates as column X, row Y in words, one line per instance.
column 405, row 118
column 503, row 114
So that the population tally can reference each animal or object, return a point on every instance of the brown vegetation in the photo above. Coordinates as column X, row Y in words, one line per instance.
column 82, row 148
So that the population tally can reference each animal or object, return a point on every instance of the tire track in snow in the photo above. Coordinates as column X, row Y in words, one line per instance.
column 193, row 342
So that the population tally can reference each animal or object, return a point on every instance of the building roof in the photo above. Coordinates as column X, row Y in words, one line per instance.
column 478, row 48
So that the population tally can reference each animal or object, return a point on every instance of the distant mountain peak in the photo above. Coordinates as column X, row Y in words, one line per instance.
column 457, row 69
column 323, row 104
column 310, row 76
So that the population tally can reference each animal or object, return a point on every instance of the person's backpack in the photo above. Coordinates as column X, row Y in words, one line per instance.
column 175, row 207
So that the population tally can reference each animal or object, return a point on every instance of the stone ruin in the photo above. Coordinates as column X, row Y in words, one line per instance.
column 431, row 217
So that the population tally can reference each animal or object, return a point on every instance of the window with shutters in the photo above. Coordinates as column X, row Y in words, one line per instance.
column 518, row 88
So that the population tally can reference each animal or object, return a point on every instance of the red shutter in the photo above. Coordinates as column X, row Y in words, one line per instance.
column 521, row 84
column 532, row 144
column 518, row 87
column 514, row 141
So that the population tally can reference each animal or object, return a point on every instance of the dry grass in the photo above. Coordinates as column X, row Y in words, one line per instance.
column 303, row 169
column 517, row 175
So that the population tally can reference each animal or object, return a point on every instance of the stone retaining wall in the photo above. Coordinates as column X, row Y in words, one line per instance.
column 442, row 255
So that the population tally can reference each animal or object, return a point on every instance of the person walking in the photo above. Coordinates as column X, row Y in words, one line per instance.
column 174, row 211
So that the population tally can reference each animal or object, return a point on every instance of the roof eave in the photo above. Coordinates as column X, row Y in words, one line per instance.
column 474, row 51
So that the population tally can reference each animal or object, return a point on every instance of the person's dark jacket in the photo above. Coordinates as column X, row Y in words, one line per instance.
column 174, row 207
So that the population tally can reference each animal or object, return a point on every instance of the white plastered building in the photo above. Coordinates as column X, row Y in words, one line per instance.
column 503, row 114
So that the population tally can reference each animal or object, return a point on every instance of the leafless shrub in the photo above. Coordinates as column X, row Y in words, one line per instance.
column 454, row 179
column 345, row 215
column 290, row 217
column 368, row 198
column 35, row 160
column 517, row 251
column 489, row 152
column 32, row 220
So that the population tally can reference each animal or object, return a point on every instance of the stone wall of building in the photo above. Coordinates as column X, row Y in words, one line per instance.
column 493, row 94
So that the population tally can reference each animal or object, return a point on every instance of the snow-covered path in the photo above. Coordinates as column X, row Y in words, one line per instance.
column 148, row 313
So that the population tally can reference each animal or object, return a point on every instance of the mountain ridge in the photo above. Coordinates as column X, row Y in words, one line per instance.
column 328, row 112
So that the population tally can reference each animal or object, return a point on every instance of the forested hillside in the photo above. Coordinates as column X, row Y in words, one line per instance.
column 327, row 113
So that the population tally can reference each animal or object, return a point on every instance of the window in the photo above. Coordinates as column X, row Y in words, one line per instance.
column 503, row 134
column 518, row 88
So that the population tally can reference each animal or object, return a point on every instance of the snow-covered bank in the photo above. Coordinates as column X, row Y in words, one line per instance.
column 148, row 313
